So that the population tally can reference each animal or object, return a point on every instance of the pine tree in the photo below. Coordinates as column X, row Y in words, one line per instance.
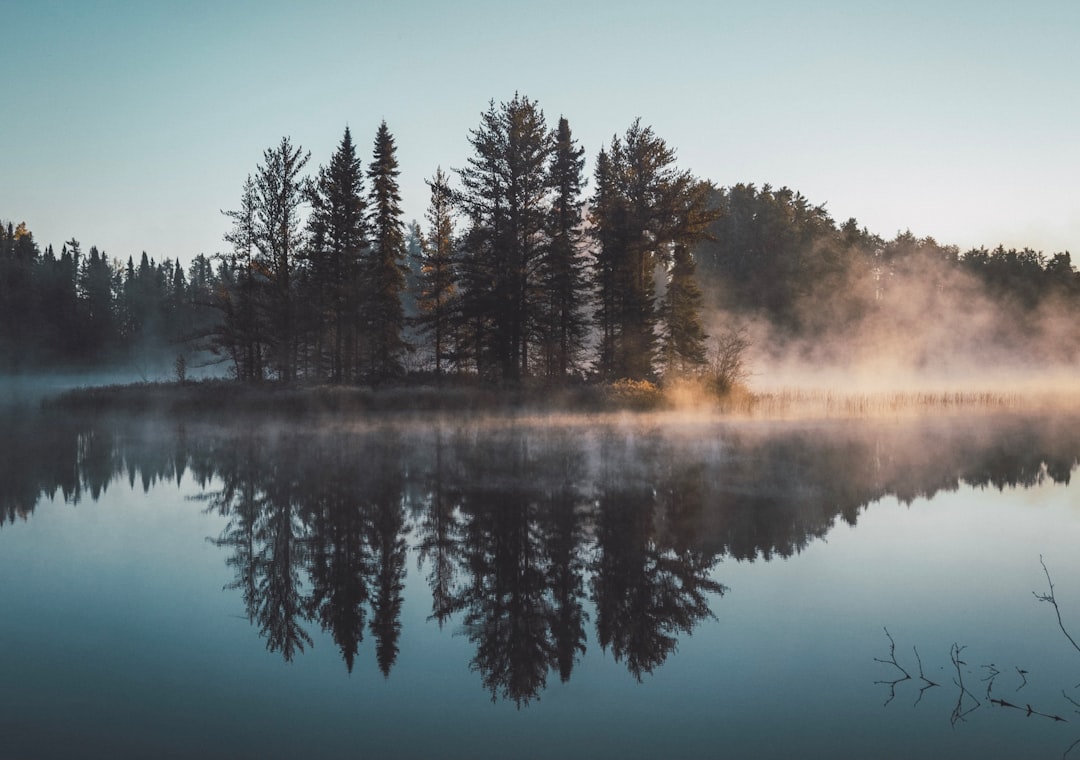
column 437, row 281
column 607, row 214
column 684, row 337
column 242, row 329
column 643, row 210
column 279, row 193
column 95, row 286
column 384, row 273
column 562, row 270
column 339, row 233
column 18, row 295
column 505, row 191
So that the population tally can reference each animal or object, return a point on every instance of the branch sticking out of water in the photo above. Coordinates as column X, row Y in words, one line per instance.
column 1050, row 598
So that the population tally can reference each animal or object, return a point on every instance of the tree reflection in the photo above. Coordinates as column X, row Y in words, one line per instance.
column 386, row 530
column 440, row 533
column 524, row 533
column 340, row 565
column 505, row 602
column 269, row 537
column 563, row 523
column 649, row 583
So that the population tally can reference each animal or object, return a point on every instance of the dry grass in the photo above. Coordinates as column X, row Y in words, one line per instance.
column 683, row 396
column 797, row 402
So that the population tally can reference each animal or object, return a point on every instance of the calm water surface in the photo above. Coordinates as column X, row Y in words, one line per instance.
column 516, row 589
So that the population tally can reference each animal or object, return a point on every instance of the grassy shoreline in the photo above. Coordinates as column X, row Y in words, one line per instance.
column 214, row 397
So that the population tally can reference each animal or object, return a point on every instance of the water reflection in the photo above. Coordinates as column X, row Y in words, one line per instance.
column 534, row 541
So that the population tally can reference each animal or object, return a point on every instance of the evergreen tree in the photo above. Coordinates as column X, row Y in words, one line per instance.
column 607, row 215
column 684, row 335
column 18, row 296
column 643, row 209
column 279, row 193
column 95, row 285
column 437, row 280
column 64, row 300
column 414, row 252
column 339, row 232
column 242, row 327
column 506, row 187
column 562, row 270
column 384, row 274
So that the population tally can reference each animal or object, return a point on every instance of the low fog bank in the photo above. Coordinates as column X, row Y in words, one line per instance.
column 841, row 309
column 34, row 387
column 872, row 368
column 31, row 389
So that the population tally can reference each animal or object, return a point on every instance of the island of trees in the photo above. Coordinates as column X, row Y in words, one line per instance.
column 524, row 270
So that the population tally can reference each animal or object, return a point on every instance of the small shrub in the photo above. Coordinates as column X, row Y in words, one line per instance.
column 635, row 394
column 727, row 365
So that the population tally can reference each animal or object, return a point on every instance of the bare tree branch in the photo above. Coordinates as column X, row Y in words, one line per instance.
column 1050, row 598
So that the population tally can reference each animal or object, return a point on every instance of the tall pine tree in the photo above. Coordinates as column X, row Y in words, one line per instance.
column 339, row 232
column 437, row 281
column 280, row 191
column 385, row 271
column 562, row 269
column 505, row 191
column 644, row 208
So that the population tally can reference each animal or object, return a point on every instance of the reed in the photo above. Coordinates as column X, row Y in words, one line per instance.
column 800, row 402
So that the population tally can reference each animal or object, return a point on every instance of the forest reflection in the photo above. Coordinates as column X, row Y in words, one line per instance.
column 531, row 538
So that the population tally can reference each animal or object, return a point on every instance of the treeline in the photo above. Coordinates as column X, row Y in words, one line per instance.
column 78, row 310
column 773, row 256
column 518, row 273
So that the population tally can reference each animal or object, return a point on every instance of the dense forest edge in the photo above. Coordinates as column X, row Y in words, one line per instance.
column 633, row 288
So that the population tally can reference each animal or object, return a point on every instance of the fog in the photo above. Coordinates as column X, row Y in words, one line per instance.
column 919, row 326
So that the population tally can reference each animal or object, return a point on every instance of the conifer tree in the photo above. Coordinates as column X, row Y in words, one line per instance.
column 684, row 335
column 437, row 280
column 643, row 209
column 18, row 297
column 562, row 270
column 279, row 193
column 505, row 190
column 242, row 329
column 384, row 273
column 339, row 232
column 95, row 285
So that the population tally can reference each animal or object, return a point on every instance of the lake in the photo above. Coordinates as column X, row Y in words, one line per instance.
column 611, row 587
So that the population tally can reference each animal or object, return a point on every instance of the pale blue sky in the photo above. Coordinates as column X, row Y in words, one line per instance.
column 130, row 124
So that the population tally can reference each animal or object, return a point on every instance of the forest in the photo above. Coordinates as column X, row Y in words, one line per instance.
column 524, row 269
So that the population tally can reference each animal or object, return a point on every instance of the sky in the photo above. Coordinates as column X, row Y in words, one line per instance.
column 131, row 124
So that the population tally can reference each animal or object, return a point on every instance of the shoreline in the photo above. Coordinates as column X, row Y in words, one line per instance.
column 685, row 402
